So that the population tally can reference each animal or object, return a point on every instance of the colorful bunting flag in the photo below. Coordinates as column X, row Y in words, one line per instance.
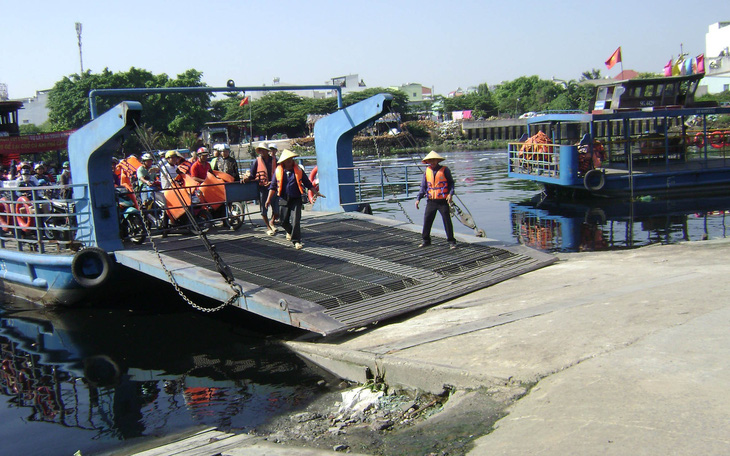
column 700, row 63
column 668, row 68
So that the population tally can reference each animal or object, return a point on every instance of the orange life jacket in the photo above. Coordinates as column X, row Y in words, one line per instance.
column 437, row 184
column 298, row 173
column 183, row 168
column 263, row 174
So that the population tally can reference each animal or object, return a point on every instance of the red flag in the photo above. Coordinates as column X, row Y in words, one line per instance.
column 614, row 59
column 243, row 102
column 700, row 63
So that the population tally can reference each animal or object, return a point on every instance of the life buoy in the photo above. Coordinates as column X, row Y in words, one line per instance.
column 315, row 182
column 91, row 267
column 590, row 176
column 699, row 140
column 717, row 140
column 5, row 214
column 24, row 212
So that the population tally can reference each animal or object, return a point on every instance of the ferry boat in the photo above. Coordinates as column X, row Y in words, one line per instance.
column 356, row 269
column 643, row 137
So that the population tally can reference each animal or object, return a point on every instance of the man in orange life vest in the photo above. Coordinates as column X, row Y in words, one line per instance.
column 289, row 183
column 438, row 186
column 262, row 171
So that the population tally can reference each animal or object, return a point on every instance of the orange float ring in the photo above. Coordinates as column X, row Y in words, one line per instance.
column 5, row 214
column 23, row 211
column 717, row 140
column 315, row 182
column 699, row 140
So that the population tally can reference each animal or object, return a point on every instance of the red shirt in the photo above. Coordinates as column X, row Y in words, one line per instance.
column 200, row 170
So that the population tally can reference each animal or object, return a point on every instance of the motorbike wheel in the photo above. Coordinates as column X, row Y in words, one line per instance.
column 236, row 212
column 134, row 227
column 51, row 232
column 205, row 222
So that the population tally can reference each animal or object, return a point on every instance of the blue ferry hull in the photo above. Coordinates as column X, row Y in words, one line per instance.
column 44, row 278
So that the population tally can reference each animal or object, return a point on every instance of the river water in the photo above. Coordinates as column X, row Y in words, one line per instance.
column 113, row 374
column 514, row 211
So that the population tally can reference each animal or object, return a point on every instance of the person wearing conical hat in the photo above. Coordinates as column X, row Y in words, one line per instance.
column 437, row 186
column 289, row 184
column 262, row 171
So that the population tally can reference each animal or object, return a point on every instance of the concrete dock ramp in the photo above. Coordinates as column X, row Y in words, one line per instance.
column 354, row 270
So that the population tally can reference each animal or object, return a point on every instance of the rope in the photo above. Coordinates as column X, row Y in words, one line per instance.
column 220, row 265
column 380, row 162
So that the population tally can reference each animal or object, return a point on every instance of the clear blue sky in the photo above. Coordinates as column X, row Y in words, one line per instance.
column 439, row 44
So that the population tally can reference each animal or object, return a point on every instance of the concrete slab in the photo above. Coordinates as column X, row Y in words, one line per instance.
column 625, row 352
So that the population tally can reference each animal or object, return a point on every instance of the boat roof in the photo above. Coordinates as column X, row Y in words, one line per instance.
column 644, row 113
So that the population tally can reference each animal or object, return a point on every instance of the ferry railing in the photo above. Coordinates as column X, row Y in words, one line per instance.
column 654, row 149
column 549, row 163
column 41, row 219
column 385, row 183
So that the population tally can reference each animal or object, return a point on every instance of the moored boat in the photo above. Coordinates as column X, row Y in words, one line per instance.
column 643, row 137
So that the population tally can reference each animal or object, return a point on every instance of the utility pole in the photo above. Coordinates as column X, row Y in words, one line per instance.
column 78, row 34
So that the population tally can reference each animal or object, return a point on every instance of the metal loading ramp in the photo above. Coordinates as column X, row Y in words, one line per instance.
column 353, row 271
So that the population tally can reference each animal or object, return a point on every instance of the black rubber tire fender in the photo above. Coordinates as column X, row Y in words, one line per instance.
column 95, row 259
column 590, row 176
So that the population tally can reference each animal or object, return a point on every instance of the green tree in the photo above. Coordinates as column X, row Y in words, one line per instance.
column 481, row 102
column 590, row 75
column 170, row 114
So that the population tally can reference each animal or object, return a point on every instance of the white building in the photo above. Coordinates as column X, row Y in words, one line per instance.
column 717, row 58
column 34, row 109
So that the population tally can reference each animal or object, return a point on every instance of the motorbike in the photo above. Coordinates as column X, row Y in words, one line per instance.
column 131, row 223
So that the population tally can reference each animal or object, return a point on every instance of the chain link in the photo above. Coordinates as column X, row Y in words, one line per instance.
column 222, row 268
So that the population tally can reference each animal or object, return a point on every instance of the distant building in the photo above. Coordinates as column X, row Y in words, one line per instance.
column 349, row 83
column 35, row 110
column 717, row 58
column 416, row 92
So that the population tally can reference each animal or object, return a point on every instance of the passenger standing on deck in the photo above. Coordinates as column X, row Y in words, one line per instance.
column 65, row 180
column 146, row 177
column 226, row 163
column 289, row 184
column 438, row 186
column 199, row 170
column 262, row 171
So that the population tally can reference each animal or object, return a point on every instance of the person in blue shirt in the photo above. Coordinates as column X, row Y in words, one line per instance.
column 289, row 184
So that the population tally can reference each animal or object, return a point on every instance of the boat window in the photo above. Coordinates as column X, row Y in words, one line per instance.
column 659, row 89
column 669, row 91
column 649, row 91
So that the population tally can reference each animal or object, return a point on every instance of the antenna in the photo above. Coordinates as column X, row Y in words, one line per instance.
column 78, row 34
column 3, row 91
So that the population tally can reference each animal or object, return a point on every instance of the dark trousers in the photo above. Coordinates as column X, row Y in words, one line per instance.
column 290, row 217
column 442, row 207
column 263, row 195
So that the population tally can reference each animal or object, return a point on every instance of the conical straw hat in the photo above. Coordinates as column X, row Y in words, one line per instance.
column 431, row 156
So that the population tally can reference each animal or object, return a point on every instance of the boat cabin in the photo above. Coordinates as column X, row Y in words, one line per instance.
column 670, row 91
column 9, row 118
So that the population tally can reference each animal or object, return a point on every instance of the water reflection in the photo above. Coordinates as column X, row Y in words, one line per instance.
column 104, row 376
column 572, row 226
